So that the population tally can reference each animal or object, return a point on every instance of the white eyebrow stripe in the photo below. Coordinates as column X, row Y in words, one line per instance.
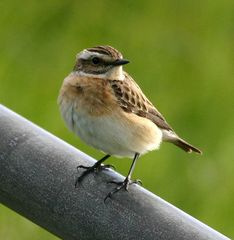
column 86, row 54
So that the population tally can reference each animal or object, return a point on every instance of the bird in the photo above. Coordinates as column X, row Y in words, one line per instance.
column 106, row 108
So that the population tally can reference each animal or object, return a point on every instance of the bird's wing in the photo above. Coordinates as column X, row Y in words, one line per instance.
column 131, row 99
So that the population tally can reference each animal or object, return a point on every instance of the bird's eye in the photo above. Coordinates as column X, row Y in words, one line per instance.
column 95, row 60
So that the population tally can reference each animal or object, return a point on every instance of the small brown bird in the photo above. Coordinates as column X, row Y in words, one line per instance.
column 105, row 107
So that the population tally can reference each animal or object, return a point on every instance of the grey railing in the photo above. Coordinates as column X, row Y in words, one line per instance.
column 37, row 177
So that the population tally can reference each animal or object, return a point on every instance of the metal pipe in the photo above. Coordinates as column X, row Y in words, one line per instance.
column 37, row 177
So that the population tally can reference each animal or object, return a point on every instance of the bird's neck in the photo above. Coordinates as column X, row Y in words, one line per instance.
column 116, row 73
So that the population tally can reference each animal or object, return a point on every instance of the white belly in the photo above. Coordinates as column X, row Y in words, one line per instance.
column 113, row 134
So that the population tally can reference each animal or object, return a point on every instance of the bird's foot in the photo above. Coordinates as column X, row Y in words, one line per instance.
column 122, row 185
column 95, row 168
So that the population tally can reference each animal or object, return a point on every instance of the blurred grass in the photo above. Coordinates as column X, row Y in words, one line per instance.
column 181, row 54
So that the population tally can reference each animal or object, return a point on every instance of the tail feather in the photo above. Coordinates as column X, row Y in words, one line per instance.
column 186, row 146
column 170, row 136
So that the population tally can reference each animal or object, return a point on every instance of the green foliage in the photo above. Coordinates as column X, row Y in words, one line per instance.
column 181, row 54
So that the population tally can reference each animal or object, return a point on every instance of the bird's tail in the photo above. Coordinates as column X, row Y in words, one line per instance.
column 171, row 136
column 186, row 146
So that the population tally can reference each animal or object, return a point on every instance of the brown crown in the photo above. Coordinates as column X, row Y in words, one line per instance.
column 107, row 50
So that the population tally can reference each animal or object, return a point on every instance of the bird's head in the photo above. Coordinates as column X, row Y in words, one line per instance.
column 100, row 62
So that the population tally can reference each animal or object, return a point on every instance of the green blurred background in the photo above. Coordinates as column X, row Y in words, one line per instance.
column 182, row 55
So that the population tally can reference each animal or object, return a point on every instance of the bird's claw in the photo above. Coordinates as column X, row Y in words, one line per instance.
column 94, row 168
column 129, row 182
column 122, row 185
column 108, row 166
column 82, row 166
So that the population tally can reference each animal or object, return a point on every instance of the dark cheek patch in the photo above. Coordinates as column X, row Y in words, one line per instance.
column 87, row 66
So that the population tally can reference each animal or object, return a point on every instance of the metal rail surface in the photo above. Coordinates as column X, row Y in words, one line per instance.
column 37, row 176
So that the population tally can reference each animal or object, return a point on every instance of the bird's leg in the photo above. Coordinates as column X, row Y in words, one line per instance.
column 95, row 168
column 127, row 181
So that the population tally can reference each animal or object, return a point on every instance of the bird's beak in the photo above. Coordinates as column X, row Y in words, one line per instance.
column 120, row 62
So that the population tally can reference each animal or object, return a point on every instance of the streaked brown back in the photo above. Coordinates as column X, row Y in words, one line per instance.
column 132, row 99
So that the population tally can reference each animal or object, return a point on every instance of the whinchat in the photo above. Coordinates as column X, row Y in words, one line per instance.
column 106, row 108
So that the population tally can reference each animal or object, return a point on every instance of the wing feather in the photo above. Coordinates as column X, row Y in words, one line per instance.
column 131, row 99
